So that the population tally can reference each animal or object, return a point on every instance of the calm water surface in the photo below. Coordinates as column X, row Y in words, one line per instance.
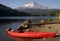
column 3, row 34
column 14, row 25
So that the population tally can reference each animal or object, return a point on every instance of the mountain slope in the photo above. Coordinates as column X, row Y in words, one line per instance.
column 34, row 5
column 35, row 9
column 6, row 11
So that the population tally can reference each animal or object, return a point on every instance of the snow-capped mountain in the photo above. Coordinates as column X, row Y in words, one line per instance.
column 33, row 4
column 35, row 9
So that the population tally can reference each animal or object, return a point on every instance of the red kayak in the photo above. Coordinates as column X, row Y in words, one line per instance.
column 32, row 34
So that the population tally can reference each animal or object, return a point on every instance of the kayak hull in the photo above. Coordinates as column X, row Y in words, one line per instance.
column 32, row 34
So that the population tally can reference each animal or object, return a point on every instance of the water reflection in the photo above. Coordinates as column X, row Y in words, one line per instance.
column 18, row 38
column 30, row 17
column 4, row 26
column 5, row 37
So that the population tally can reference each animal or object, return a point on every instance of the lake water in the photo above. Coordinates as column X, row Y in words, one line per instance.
column 11, row 24
column 29, row 17
column 4, row 24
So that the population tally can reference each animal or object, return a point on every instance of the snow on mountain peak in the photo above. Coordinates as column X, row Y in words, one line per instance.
column 33, row 4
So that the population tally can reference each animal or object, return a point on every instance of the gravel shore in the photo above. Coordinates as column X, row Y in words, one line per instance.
column 48, row 28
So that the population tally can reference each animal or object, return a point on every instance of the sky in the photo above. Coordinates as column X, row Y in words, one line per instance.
column 16, row 3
